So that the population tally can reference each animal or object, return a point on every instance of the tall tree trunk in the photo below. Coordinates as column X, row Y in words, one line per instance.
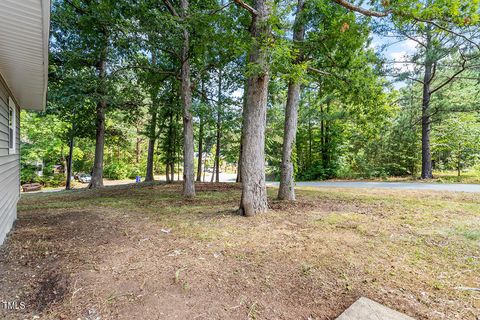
column 239, row 166
column 152, row 132
column 326, row 140
column 69, row 163
column 152, row 137
column 310, row 138
column 323, row 146
column 204, row 168
column 173, row 151
column 188, row 147
column 213, row 172
column 200, row 135
column 167, row 172
column 170, row 144
column 219, row 126
column 97, row 171
column 286, row 190
column 176, row 150
column 137, row 146
column 200, row 151
column 426, row 154
column 254, row 191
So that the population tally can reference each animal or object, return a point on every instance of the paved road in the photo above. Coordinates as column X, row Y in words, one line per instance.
column 389, row 185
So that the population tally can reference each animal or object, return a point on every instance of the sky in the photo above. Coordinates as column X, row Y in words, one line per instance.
column 395, row 51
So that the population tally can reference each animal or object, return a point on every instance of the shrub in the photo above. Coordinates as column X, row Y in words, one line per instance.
column 116, row 171
column 28, row 174
column 134, row 172
column 55, row 180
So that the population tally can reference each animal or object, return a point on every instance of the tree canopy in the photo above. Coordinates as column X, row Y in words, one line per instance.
column 288, row 90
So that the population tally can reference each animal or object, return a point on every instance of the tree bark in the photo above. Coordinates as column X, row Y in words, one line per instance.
column 254, row 191
column 152, row 133
column 170, row 144
column 69, row 164
column 204, row 169
column 188, row 144
column 427, row 78
column 151, row 141
column 97, row 171
column 219, row 126
column 137, row 146
column 200, row 151
column 213, row 172
column 286, row 190
column 239, row 166
column 167, row 173
column 310, row 138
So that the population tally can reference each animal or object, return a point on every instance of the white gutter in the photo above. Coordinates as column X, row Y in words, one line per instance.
column 46, row 42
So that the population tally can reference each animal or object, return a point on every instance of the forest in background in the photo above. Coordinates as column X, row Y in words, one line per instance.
column 152, row 87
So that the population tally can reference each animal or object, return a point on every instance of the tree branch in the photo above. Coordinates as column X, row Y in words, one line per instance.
column 361, row 10
column 171, row 8
column 77, row 8
column 433, row 73
column 151, row 68
column 246, row 6
column 401, row 76
column 415, row 40
column 451, row 78
column 449, row 31
column 220, row 9
column 326, row 73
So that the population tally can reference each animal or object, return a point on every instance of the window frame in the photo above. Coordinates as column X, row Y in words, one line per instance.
column 12, row 126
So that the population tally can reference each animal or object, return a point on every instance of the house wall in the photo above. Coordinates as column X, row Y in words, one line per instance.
column 9, row 166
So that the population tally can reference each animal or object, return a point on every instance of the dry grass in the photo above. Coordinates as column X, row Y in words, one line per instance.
column 146, row 253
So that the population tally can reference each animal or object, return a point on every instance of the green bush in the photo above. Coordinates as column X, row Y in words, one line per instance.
column 28, row 174
column 134, row 172
column 116, row 171
column 55, row 180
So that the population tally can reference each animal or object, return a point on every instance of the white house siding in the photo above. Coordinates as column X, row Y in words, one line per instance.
column 9, row 167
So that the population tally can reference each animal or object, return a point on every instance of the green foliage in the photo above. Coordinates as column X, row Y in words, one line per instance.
column 352, row 123
column 28, row 173
column 117, row 170
column 55, row 180
column 456, row 142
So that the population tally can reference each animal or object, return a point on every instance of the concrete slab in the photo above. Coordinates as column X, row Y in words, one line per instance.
column 366, row 309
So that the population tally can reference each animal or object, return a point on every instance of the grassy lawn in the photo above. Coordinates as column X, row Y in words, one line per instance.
column 143, row 252
column 470, row 176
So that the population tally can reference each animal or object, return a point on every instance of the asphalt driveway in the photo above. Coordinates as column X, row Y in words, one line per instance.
column 389, row 185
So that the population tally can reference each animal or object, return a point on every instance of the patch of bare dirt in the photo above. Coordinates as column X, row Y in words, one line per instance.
column 52, row 288
column 99, row 261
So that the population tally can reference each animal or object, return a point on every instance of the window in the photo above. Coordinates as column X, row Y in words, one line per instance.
column 11, row 126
